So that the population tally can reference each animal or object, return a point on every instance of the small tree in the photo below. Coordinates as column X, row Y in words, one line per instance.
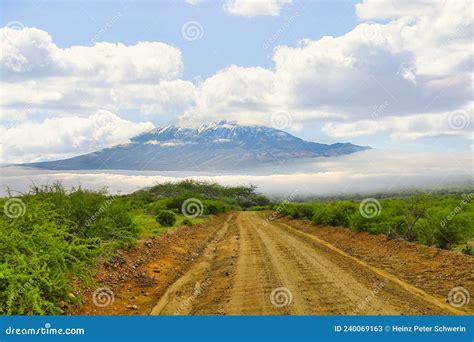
column 166, row 218
column 450, row 232
column 302, row 211
column 411, row 211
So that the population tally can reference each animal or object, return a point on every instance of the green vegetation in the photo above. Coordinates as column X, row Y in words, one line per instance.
column 147, row 224
column 444, row 221
column 166, row 218
column 187, row 222
column 172, row 195
column 54, row 243
column 51, row 238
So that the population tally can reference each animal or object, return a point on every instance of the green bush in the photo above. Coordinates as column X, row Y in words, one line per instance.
column 187, row 222
column 468, row 249
column 237, row 196
column 450, row 232
column 335, row 214
column 302, row 211
column 211, row 209
column 156, row 207
column 56, row 243
column 166, row 218
column 438, row 220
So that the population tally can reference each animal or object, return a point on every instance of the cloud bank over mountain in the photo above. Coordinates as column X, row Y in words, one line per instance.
column 362, row 172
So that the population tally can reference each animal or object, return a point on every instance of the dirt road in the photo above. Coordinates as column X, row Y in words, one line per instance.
column 256, row 267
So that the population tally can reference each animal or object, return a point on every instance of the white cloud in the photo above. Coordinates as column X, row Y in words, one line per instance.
column 61, row 137
column 439, row 33
column 40, row 76
column 236, row 93
column 366, row 171
column 391, row 9
column 415, row 66
column 30, row 52
column 252, row 8
column 454, row 124
column 193, row 2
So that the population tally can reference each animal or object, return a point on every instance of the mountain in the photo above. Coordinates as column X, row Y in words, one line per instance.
column 216, row 146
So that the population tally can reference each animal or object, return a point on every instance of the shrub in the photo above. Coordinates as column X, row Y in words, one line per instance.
column 302, row 211
column 56, row 243
column 335, row 214
column 155, row 207
column 187, row 222
column 241, row 196
column 211, row 209
column 468, row 250
column 450, row 232
column 166, row 218
column 176, row 203
column 260, row 208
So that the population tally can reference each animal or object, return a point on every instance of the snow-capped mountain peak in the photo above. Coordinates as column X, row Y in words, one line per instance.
column 220, row 145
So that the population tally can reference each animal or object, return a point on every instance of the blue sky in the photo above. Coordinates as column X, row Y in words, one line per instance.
column 82, row 75
column 227, row 39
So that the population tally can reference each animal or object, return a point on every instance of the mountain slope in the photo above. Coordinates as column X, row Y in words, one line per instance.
column 217, row 146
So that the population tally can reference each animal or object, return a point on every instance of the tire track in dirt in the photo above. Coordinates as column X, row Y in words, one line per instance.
column 431, row 302
column 317, row 277
column 256, row 275
column 316, row 285
column 179, row 297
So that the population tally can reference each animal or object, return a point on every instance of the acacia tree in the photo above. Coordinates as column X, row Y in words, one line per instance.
column 410, row 212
